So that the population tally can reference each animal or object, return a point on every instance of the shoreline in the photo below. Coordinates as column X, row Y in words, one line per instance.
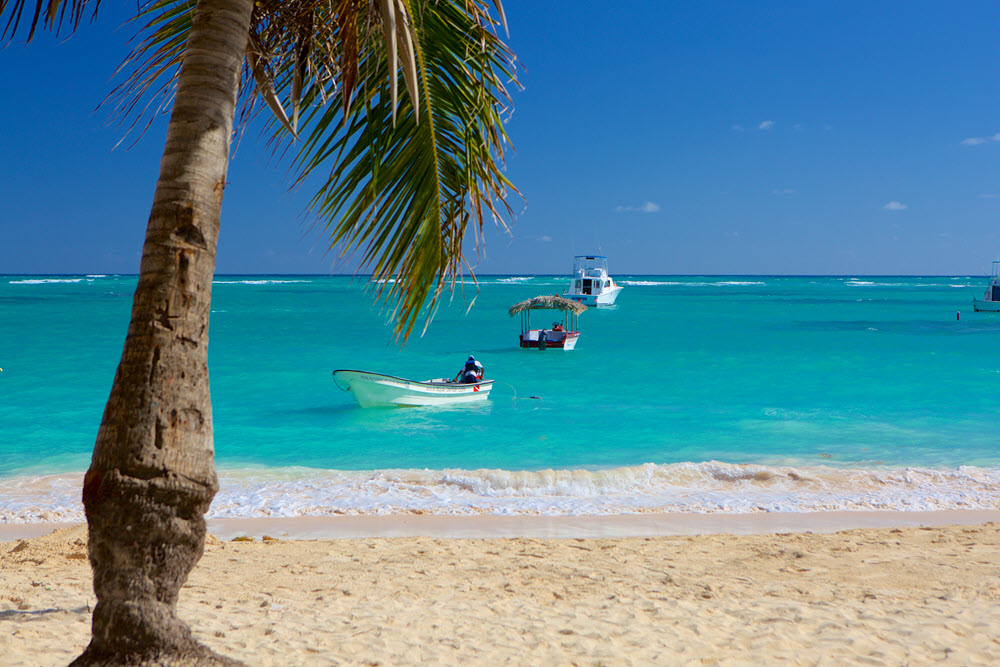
column 554, row 527
column 656, row 490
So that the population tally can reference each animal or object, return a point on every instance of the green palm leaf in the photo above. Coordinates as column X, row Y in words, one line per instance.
column 405, row 195
column 53, row 14
column 408, row 175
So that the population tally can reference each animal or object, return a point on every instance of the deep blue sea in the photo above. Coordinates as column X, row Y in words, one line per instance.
column 691, row 394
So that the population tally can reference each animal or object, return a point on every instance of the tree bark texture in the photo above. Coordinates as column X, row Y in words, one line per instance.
column 152, row 475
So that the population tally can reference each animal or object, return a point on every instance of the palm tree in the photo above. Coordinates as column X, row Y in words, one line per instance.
column 408, row 174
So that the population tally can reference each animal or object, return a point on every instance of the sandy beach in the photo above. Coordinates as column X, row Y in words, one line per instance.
column 891, row 595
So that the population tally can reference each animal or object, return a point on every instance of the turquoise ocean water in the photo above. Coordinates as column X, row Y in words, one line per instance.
column 691, row 394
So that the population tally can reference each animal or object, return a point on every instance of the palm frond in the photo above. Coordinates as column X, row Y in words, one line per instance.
column 409, row 176
column 152, row 66
column 409, row 57
column 404, row 195
column 259, row 68
column 388, row 9
column 53, row 14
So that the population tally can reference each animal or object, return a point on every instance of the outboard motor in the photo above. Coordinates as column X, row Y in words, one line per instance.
column 543, row 339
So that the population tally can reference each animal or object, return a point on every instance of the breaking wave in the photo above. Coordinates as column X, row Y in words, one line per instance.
column 709, row 487
column 269, row 281
column 688, row 283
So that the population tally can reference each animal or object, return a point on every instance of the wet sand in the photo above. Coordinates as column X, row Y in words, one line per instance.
column 619, row 525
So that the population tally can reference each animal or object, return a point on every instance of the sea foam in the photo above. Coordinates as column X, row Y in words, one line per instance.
column 688, row 283
column 708, row 487
column 269, row 281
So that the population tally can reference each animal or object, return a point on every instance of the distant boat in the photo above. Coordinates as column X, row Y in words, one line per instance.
column 991, row 300
column 562, row 335
column 591, row 285
column 375, row 390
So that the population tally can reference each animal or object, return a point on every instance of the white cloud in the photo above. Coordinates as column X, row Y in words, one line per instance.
column 766, row 125
column 738, row 128
column 783, row 191
column 895, row 206
column 976, row 141
column 545, row 239
column 987, row 195
column 648, row 207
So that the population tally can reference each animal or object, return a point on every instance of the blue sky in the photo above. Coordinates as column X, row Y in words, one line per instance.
column 676, row 138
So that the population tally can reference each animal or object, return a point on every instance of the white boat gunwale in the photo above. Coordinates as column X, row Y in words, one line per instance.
column 371, row 389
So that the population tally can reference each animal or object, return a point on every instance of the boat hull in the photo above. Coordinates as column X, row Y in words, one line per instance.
column 606, row 298
column 560, row 340
column 377, row 390
column 986, row 306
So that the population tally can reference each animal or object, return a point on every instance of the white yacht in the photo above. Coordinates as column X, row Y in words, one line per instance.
column 991, row 300
column 591, row 285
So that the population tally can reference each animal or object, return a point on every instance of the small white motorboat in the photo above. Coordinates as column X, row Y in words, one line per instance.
column 591, row 285
column 991, row 300
column 562, row 335
column 374, row 389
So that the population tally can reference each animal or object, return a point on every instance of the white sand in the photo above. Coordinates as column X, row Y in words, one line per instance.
column 909, row 595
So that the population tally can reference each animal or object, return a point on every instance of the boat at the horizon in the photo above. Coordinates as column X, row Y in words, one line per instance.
column 591, row 285
column 378, row 390
column 991, row 299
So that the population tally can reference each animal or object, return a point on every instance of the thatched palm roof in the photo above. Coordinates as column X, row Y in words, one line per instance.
column 551, row 302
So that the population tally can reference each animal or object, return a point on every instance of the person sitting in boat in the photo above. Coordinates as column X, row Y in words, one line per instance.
column 471, row 373
column 557, row 326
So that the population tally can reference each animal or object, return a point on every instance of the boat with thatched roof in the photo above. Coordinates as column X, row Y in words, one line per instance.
column 563, row 334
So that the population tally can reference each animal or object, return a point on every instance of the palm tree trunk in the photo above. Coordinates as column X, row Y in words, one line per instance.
column 152, row 476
